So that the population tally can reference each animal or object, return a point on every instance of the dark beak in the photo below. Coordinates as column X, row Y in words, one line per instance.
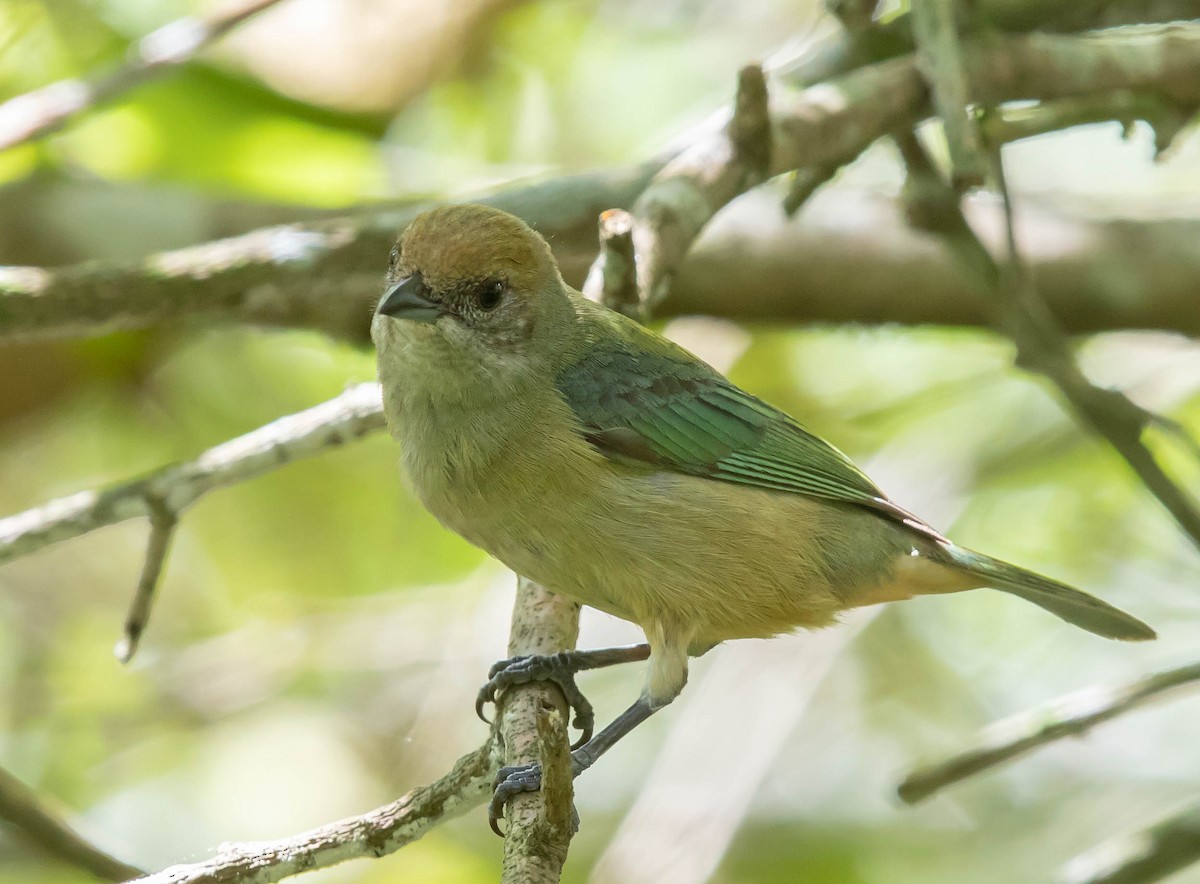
column 409, row 299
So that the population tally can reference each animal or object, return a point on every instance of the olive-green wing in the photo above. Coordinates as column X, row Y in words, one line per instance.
column 660, row 406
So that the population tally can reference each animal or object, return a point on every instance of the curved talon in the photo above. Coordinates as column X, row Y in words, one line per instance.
column 528, row 668
column 484, row 697
column 512, row 781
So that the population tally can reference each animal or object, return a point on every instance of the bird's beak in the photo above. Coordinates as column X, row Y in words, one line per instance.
column 409, row 299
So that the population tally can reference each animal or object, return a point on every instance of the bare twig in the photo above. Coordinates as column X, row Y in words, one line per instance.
column 1068, row 716
column 374, row 834
column 21, row 809
column 612, row 279
column 681, row 199
column 1003, row 125
column 536, row 841
column 45, row 110
column 162, row 529
column 353, row 414
column 1153, row 854
column 940, row 57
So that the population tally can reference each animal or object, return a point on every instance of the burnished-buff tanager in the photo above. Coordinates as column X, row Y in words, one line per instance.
column 601, row 460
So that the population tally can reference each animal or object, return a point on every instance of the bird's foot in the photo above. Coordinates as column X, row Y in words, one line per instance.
column 516, row 780
column 557, row 668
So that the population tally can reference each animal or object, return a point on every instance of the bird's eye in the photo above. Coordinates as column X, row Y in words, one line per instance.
column 489, row 295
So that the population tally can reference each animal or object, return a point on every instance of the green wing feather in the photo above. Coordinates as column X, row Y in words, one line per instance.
column 638, row 397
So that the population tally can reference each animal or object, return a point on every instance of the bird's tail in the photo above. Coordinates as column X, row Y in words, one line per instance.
column 1073, row 605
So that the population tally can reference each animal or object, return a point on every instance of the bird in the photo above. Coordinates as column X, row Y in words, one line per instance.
column 596, row 457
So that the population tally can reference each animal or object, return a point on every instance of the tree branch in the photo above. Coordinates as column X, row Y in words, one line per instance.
column 325, row 276
column 1069, row 716
column 1153, row 854
column 353, row 414
column 22, row 809
column 869, row 41
column 374, row 834
column 164, row 494
column 539, row 830
column 942, row 60
column 48, row 109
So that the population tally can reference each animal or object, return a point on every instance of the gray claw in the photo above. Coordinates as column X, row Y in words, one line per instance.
column 512, row 781
column 554, row 668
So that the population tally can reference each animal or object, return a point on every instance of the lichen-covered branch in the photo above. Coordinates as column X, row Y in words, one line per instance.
column 45, row 110
column 1069, row 716
column 374, row 834
column 536, row 838
column 32, row 822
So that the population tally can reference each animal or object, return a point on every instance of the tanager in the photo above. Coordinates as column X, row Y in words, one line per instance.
column 596, row 457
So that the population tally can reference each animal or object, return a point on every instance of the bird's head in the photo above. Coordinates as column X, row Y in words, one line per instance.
column 473, row 294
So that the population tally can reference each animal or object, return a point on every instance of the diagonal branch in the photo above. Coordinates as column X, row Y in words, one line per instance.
column 942, row 60
column 353, row 414
column 1153, row 854
column 163, row 495
column 1041, row 344
column 1069, row 716
column 21, row 809
column 48, row 109
column 374, row 834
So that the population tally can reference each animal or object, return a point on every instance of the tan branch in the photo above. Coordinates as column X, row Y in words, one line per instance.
column 35, row 823
column 374, row 834
column 45, row 110
column 536, row 840
column 1069, row 716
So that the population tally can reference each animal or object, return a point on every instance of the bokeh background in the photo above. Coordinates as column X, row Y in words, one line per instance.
column 319, row 639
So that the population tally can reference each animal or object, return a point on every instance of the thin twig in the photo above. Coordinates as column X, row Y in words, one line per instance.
column 1004, row 125
column 941, row 59
column 374, row 834
column 48, row 109
column 612, row 279
column 892, row 36
column 1069, row 716
column 21, row 809
column 1153, row 854
column 162, row 529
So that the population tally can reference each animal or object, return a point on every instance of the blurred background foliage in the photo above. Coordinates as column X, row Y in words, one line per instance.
column 319, row 638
